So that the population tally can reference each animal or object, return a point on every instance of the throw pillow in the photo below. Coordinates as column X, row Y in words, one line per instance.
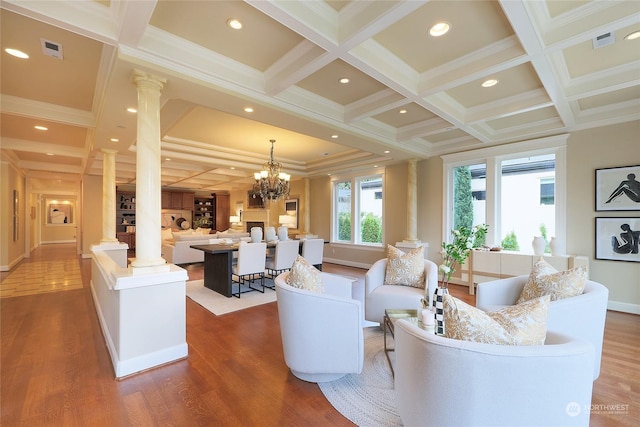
column 524, row 324
column 305, row 276
column 405, row 268
column 546, row 280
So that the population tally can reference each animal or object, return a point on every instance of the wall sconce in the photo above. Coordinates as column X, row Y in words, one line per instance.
column 234, row 219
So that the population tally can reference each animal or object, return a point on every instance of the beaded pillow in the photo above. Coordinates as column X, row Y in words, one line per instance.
column 523, row 324
column 546, row 280
column 305, row 276
column 405, row 268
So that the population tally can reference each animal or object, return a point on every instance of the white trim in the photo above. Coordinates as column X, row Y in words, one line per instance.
column 624, row 307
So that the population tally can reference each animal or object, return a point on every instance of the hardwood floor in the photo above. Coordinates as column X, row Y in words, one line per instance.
column 56, row 368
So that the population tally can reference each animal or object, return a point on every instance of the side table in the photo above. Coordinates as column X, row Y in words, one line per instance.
column 388, row 322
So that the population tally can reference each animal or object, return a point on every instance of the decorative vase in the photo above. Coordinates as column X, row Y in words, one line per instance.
column 556, row 246
column 438, row 307
column 283, row 233
column 256, row 234
column 538, row 245
column 270, row 234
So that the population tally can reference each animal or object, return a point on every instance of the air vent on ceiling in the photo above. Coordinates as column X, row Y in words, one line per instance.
column 604, row 40
column 52, row 49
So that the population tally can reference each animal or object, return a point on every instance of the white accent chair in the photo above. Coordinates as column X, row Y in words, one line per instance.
column 322, row 335
column 582, row 316
column 379, row 296
column 445, row 382
column 250, row 266
column 285, row 254
column 312, row 251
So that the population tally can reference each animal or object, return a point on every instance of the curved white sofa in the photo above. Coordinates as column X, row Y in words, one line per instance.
column 322, row 335
column 582, row 316
column 379, row 296
column 445, row 382
column 178, row 249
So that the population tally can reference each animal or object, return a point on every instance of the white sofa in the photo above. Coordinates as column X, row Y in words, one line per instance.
column 322, row 335
column 582, row 316
column 379, row 296
column 177, row 250
column 445, row 382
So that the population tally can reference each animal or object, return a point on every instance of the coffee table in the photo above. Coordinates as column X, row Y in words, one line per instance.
column 388, row 323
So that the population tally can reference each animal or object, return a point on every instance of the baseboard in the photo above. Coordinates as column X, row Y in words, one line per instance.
column 624, row 307
column 53, row 242
column 13, row 264
column 151, row 360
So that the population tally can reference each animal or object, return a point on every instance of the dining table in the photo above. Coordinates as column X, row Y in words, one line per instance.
column 218, row 265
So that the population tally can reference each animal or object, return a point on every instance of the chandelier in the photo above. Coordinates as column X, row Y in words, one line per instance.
column 271, row 183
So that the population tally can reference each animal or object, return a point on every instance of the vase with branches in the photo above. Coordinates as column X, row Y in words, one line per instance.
column 457, row 251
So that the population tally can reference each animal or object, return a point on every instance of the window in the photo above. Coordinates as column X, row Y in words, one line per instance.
column 358, row 210
column 517, row 189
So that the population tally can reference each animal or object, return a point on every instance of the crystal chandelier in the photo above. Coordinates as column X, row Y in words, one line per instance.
column 271, row 183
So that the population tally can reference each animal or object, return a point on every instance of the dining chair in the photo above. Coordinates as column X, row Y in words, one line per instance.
column 249, row 267
column 285, row 254
column 312, row 250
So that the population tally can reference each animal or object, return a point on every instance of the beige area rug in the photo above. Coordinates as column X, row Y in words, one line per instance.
column 367, row 399
column 219, row 304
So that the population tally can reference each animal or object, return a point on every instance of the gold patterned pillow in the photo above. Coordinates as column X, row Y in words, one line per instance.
column 305, row 276
column 523, row 324
column 546, row 280
column 405, row 268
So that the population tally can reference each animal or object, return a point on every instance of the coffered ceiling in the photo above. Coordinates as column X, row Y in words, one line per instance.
column 410, row 95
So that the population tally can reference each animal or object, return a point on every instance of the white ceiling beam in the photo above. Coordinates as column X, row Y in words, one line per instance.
column 41, row 148
column 132, row 19
column 42, row 110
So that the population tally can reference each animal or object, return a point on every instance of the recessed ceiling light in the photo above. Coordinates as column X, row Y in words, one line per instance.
column 334, row 136
column 49, row 154
column 114, row 140
column 248, row 110
column 168, row 159
column 132, row 110
column 41, row 127
column 234, row 23
column 489, row 83
column 632, row 36
column 386, row 151
column 403, row 111
column 17, row 53
column 232, row 168
column 439, row 29
column 375, row 166
column 344, row 80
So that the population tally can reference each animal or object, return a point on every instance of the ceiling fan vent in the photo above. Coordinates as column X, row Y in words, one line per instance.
column 52, row 49
column 604, row 40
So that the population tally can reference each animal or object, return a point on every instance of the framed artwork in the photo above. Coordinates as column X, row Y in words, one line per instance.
column 617, row 239
column 254, row 201
column 291, row 209
column 59, row 213
column 618, row 189
column 16, row 215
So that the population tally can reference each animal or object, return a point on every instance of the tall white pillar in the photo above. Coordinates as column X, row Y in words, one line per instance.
column 108, row 196
column 148, row 183
column 412, row 201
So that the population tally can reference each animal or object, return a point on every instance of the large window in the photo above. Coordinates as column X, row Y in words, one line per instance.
column 358, row 210
column 518, row 190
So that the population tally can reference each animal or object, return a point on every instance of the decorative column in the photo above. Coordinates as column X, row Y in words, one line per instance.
column 108, row 196
column 412, row 241
column 412, row 201
column 307, row 208
column 148, row 183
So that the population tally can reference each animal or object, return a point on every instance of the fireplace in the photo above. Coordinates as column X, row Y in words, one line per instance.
column 251, row 224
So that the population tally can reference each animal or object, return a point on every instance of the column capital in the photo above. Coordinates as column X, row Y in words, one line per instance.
column 108, row 151
column 142, row 78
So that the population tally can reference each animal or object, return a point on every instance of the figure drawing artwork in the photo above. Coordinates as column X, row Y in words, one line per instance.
column 618, row 189
column 618, row 239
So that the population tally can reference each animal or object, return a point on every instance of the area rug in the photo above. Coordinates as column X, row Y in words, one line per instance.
column 367, row 399
column 219, row 304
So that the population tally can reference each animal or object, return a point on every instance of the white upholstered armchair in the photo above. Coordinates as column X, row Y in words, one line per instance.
column 445, row 382
column 582, row 316
column 322, row 334
column 379, row 296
